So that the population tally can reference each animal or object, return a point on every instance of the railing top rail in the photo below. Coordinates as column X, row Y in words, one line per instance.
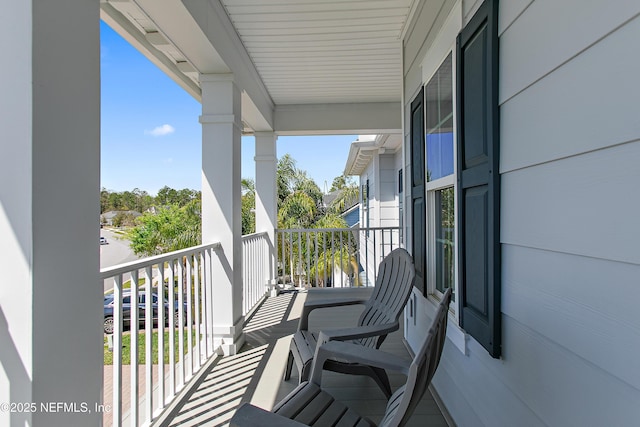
column 157, row 259
column 319, row 230
column 254, row 235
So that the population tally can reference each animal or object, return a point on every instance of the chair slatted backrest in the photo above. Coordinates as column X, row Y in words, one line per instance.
column 391, row 293
column 403, row 402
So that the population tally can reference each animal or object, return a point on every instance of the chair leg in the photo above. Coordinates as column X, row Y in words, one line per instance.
column 380, row 377
column 287, row 371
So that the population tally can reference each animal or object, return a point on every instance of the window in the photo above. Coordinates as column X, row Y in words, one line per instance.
column 365, row 206
column 440, row 186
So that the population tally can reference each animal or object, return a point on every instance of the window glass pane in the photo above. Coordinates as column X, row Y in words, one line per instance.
column 445, row 243
column 439, row 129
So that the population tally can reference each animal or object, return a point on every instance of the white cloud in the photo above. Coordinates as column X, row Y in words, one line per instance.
column 161, row 130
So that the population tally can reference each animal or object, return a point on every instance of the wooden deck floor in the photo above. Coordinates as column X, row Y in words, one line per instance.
column 256, row 374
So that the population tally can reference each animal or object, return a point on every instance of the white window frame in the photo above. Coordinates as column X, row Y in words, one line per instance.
column 444, row 44
column 430, row 191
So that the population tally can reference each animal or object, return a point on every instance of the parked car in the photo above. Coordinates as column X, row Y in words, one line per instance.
column 126, row 311
column 103, row 241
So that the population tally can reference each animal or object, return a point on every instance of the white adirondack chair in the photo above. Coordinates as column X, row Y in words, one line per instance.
column 310, row 405
column 379, row 318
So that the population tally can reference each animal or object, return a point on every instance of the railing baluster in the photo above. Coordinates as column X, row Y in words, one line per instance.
column 161, row 323
column 199, row 305
column 117, row 350
column 366, row 256
column 206, row 315
column 209, row 287
column 384, row 252
column 324, row 255
column 308, row 251
column 375, row 258
column 180, row 326
column 284, row 260
column 316, row 252
column 341, row 263
column 133, row 350
column 189, row 317
column 291, row 257
column 148, row 359
column 172, row 340
column 299, row 266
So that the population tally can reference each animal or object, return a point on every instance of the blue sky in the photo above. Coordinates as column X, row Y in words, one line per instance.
column 151, row 137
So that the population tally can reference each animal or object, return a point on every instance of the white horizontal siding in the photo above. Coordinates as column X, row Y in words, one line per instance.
column 595, row 301
column 490, row 398
column 570, row 146
column 509, row 12
column 587, row 104
column 586, row 205
column 550, row 33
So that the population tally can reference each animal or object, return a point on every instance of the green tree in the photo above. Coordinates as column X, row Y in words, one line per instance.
column 248, row 205
column 298, row 210
column 348, row 194
column 104, row 200
column 285, row 175
column 338, row 183
column 171, row 228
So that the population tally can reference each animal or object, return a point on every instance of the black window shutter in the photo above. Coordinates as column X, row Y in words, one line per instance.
column 418, row 206
column 479, row 178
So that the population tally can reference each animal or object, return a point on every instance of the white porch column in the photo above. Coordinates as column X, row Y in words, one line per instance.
column 50, row 293
column 267, row 195
column 221, row 196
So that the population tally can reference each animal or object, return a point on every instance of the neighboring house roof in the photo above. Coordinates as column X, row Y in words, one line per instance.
column 365, row 147
column 329, row 198
column 352, row 215
column 109, row 215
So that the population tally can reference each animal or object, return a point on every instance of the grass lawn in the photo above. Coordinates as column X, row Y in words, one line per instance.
column 126, row 347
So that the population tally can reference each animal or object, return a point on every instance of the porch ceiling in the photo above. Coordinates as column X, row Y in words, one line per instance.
column 303, row 56
column 315, row 52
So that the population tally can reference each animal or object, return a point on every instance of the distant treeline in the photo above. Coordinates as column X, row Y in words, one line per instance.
column 141, row 201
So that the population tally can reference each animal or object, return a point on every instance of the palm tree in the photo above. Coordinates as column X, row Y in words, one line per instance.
column 347, row 194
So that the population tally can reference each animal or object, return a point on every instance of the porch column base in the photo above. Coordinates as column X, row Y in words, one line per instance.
column 229, row 339
column 272, row 288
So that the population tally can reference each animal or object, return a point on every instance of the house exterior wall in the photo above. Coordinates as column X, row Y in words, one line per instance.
column 382, row 174
column 570, row 146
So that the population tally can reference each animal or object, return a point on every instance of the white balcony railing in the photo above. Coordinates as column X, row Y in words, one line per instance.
column 255, row 269
column 174, row 293
column 173, row 322
column 333, row 257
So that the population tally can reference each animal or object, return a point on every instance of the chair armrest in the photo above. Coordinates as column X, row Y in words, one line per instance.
column 309, row 306
column 348, row 334
column 249, row 416
column 355, row 353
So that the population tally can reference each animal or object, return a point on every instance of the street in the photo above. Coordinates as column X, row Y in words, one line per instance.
column 117, row 251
